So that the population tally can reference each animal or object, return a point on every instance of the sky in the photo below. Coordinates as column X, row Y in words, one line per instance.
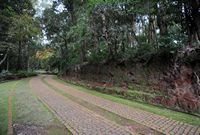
column 41, row 5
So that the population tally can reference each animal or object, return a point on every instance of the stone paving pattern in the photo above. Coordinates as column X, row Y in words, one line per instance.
column 78, row 119
column 156, row 122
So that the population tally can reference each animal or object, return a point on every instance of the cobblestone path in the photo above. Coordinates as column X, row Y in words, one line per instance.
column 156, row 122
column 76, row 118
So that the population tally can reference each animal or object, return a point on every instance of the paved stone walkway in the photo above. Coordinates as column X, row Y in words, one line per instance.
column 156, row 122
column 76, row 118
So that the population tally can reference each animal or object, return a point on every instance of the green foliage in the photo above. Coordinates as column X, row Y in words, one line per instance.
column 98, row 56
column 4, row 76
column 19, row 31
column 98, row 2
column 144, row 51
column 96, row 31
column 23, row 27
column 104, row 31
column 24, row 74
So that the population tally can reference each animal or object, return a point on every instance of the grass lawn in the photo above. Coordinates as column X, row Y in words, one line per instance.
column 182, row 117
column 5, row 90
column 27, row 109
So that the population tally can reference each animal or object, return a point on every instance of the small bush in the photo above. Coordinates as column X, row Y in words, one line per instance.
column 18, row 75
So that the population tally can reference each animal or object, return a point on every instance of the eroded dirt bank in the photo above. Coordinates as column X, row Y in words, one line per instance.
column 169, row 80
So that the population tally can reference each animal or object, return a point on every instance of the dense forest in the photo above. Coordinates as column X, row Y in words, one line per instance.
column 110, row 45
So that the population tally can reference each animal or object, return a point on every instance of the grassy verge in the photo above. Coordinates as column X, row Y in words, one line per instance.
column 5, row 90
column 30, row 110
column 26, row 109
column 182, row 117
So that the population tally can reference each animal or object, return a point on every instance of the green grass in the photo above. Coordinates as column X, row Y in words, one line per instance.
column 27, row 109
column 5, row 90
column 30, row 110
column 182, row 117
column 27, row 106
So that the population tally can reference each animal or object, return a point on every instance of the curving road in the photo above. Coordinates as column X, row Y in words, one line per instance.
column 76, row 118
column 80, row 120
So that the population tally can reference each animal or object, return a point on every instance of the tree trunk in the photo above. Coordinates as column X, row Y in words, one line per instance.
column 71, row 10
column 192, row 19
column 7, row 65
column 195, row 4
column 27, row 57
column 19, row 55
column 151, row 31
column 134, row 40
column 161, row 18
column 83, row 53
column 110, row 55
column 2, row 61
column 105, row 32
column 96, row 43
column 66, row 50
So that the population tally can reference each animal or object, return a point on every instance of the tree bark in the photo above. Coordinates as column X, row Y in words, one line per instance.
column 135, row 39
column 96, row 42
column 105, row 32
column 69, row 4
column 2, row 61
column 161, row 18
column 192, row 19
column 83, row 53
column 7, row 64
column 27, row 55
column 19, row 55
column 195, row 4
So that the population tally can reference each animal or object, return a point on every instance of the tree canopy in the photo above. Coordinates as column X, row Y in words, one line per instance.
column 97, row 31
column 19, row 31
